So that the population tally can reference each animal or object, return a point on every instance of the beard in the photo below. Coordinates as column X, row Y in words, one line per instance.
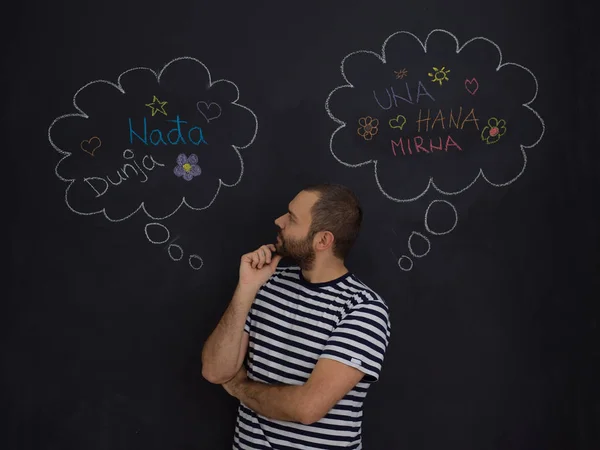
column 299, row 250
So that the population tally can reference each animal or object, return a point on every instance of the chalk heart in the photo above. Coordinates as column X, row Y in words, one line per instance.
column 471, row 86
column 398, row 122
column 210, row 111
column 91, row 145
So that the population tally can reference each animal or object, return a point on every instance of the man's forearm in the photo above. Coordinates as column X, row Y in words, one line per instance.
column 279, row 402
column 221, row 350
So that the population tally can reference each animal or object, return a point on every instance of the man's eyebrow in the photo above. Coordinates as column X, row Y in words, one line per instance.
column 291, row 213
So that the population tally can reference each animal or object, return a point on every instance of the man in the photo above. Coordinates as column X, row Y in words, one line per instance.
column 315, row 336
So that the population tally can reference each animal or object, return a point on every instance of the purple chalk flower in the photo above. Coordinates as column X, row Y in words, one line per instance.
column 187, row 167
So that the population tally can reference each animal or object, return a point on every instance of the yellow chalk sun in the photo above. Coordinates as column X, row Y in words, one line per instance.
column 439, row 75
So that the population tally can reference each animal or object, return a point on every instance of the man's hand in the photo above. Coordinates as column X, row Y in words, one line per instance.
column 257, row 267
column 232, row 385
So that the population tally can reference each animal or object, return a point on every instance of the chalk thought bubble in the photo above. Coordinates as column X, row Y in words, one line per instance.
column 152, row 141
column 434, row 114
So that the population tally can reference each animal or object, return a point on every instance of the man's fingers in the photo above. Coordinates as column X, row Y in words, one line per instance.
column 255, row 260
column 247, row 259
column 264, row 255
column 267, row 252
column 261, row 257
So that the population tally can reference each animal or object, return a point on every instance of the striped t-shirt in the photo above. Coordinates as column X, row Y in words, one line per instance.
column 292, row 323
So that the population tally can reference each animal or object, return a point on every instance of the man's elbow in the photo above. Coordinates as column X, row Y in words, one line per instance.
column 310, row 414
column 215, row 377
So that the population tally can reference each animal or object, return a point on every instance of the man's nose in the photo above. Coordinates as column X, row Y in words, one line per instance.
column 279, row 222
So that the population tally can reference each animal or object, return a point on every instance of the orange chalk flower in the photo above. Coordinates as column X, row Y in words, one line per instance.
column 368, row 127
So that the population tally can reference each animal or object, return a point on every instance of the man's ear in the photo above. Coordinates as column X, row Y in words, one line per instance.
column 324, row 240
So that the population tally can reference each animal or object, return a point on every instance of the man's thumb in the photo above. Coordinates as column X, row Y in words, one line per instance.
column 275, row 260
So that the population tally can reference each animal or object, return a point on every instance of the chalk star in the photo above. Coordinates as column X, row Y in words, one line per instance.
column 156, row 109
column 401, row 73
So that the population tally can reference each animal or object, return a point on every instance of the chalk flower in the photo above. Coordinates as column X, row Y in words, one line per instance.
column 368, row 127
column 494, row 129
column 187, row 167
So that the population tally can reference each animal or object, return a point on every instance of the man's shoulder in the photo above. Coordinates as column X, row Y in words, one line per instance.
column 366, row 300
column 363, row 293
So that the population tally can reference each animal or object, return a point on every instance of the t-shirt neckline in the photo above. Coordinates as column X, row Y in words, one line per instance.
column 305, row 282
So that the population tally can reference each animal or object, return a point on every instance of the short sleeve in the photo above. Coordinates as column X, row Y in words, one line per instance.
column 248, row 322
column 361, row 338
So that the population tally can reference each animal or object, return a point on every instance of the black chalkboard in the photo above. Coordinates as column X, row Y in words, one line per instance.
column 152, row 143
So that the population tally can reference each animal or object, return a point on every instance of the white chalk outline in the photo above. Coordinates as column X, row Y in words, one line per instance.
column 160, row 225
column 172, row 245
column 400, row 264
column 426, row 223
column 180, row 249
column 382, row 58
column 410, row 249
column 120, row 88
column 190, row 262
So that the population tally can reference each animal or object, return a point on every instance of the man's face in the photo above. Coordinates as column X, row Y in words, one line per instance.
column 293, row 238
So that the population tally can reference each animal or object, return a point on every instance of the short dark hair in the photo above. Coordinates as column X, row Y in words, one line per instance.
column 338, row 211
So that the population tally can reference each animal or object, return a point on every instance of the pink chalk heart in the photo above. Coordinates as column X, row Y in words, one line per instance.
column 91, row 145
column 471, row 86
